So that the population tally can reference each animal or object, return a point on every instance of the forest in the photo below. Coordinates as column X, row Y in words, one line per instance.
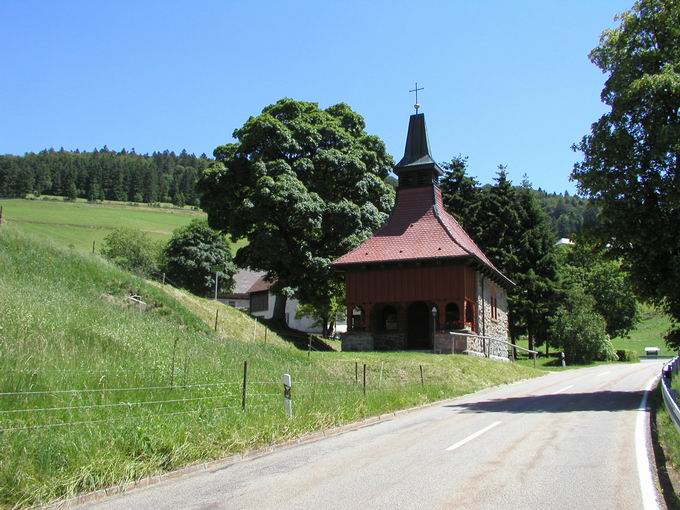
column 104, row 174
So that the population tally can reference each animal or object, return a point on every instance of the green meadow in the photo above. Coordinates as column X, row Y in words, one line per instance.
column 78, row 224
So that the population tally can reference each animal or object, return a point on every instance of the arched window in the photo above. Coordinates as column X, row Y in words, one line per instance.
column 358, row 318
column 389, row 318
column 452, row 315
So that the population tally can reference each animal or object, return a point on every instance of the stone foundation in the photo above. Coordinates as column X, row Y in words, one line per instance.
column 390, row 341
column 451, row 343
column 357, row 341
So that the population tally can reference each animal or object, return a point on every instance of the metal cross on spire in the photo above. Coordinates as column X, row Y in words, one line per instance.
column 416, row 106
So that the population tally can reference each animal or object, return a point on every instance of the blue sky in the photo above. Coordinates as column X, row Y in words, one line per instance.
column 505, row 82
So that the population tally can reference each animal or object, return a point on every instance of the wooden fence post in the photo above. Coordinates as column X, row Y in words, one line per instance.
column 217, row 314
column 422, row 379
column 245, row 382
column 364, row 379
column 172, row 374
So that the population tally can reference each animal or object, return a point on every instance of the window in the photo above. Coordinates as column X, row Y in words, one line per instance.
column 357, row 318
column 494, row 305
column 389, row 319
column 259, row 301
column 469, row 312
column 452, row 315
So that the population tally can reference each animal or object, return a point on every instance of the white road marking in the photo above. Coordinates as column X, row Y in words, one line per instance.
column 603, row 373
column 563, row 389
column 473, row 436
column 649, row 500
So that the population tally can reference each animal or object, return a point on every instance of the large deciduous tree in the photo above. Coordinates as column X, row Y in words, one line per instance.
column 631, row 165
column 303, row 185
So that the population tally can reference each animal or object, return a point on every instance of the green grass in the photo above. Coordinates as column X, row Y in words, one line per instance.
column 66, row 327
column 667, row 448
column 649, row 332
column 78, row 224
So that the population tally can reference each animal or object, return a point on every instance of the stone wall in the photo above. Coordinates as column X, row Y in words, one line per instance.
column 443, row 343
column 488, row 326
column 392, row 341
column 357, row 341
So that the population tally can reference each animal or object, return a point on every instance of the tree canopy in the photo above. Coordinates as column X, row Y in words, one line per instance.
column 303, row 185
column 631, row 157
column 195, row 255
column 586, row 266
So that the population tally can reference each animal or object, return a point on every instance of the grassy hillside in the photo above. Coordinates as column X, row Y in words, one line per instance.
column 79, row 223
column 649, row 332
column 94, row 391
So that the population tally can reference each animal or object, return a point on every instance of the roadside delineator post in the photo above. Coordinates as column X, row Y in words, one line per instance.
column 287, row 395
column 564, row 363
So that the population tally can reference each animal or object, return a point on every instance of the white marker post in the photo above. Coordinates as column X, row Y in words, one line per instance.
column 287, row 395
column 564, row 363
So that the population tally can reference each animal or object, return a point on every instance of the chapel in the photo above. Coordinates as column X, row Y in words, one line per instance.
column 420, row 276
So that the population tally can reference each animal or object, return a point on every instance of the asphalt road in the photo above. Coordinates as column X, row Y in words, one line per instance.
column 566, row 440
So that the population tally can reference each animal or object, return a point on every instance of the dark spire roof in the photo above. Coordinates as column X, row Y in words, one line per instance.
column 417, row 152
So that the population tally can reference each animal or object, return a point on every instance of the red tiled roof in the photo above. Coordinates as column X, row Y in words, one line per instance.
column 418, row 228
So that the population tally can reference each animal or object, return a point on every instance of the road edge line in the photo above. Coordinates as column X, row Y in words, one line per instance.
column 650, row 500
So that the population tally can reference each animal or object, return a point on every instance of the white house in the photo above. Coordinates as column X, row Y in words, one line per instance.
column 253, row 293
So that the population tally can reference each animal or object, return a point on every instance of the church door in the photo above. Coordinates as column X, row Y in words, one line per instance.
column 419, row 326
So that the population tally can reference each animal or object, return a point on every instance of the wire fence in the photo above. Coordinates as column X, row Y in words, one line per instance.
column 65, row 407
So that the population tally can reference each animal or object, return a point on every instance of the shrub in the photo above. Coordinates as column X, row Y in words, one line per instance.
column 193, row 256
column 627, row 355
column 581, row 330
column 132, row 250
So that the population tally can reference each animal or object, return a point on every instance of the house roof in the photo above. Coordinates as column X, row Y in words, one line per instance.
column 260, row 285
column 417, row 151
column 244, row 280
column 419, row 228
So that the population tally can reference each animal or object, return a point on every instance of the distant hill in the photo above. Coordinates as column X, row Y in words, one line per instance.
column 103, row 174
column 569, row 214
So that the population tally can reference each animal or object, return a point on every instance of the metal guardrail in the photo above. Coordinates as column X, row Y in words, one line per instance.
column 669, row 371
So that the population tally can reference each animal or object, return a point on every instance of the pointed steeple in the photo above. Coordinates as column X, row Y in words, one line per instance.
column 417, row 167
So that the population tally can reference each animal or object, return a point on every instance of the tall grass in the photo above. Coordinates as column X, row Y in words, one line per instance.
column 95, row 392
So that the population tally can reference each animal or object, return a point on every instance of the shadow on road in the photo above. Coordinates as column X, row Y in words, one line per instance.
column 611, row 401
